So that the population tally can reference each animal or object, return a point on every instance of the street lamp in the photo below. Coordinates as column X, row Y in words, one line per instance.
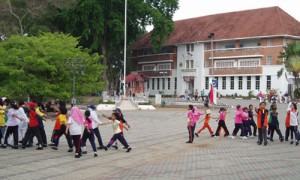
column 211, row 37
column 77, row 66
column 125, row 49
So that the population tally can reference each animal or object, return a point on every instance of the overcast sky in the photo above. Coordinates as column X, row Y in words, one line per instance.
column 196, row 8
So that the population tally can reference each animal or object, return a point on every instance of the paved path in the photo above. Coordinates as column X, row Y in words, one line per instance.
column 159, row 152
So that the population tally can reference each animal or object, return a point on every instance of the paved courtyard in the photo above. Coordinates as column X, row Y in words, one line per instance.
column 159, row 152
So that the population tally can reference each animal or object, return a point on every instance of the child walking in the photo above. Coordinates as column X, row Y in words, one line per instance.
column 96, row 122
column 75, row 123
column 117, row 132
column 294, row 123
column 206, row 124
column 262, row 123
column 252, row 122
column 88, row 133
column 2, row 122
column 221, row 123
column 274, row 124
column 22, row 125
column 246, row 124
column 238, row 124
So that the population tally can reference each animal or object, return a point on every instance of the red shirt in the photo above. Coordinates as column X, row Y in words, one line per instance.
column 33, row 122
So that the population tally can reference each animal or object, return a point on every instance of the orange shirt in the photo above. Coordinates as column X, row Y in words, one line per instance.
column 288, row 119
column 207, row 118
column 260, row 120
column 57, row 123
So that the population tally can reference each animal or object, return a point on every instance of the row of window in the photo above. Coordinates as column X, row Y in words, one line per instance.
column 153, row 67
column 255, row 62
column 164, row 82
column 240, row 82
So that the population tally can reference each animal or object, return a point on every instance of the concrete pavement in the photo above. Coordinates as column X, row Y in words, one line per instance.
column 159, row 152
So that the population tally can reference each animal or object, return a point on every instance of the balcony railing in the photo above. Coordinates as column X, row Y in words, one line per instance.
column 237, row 70
column 158, row 73
column 155, row 57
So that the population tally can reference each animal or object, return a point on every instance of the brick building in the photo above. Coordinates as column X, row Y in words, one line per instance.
column 246, row 45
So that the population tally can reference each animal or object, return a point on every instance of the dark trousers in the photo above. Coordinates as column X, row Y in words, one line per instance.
column 238, row 127
column 2, row 133
column 88, row 135
column 77, row 142
column 246, row 125
column 196, row 98
column 43, row 135
column 12, row 130
column 294, row 130
column 53, row 134
column 98, row 135
column 191, row 130
column 253, row 124
column 119, row 137
column 59, row 133
column 222, row 124
column 275, row 128
column 32, row 131
column 262, row 134
column 287, row 133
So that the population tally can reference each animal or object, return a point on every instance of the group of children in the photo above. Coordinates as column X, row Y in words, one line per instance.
column 26, row 120
column 267, row 123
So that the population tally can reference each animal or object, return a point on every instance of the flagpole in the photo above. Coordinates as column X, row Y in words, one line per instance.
column 125, row 49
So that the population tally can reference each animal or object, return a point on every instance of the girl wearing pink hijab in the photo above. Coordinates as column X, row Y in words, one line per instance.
column 75, row 124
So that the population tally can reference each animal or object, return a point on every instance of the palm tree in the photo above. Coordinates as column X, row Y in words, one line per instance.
column 291, row 62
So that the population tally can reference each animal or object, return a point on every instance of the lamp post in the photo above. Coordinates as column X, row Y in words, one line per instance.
column 211, row 37
column 77, row 66
column 125, row 48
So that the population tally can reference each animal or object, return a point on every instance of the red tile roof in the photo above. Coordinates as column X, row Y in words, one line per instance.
column 233, row 25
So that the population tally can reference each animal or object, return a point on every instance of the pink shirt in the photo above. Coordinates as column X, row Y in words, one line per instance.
column 245, row 116
column 222, row 116
column 197, row 114
column 190, row 115
column 89, row 124
column 238, row 116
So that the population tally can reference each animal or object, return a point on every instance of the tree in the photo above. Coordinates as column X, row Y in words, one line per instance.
column 101, row 25
column 36, row 66
column 291, row 63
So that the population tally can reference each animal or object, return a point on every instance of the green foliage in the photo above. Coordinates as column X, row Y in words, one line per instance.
column 35, row 66
column 297, row 93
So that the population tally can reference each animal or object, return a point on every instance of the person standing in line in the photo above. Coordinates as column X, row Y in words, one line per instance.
column 191, row 124
column 252, row 122
column 287, row 126
column 202, row 94
column 221, row 123
column 62, row 118
column 117, row 132
column 274, row 125
column 74, row 127
column 245, row 120
column 238, row 123
column 294, row 123
column 22, row 125
column 88, row 133
column 2, row 121
column 12, row 125
column 33, row 128
column 95, row 123
column 206, row 124
column 196, row 95
column 262, row 123
column 40, row 117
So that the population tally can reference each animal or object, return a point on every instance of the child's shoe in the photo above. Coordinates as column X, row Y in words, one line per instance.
column 197, row 134
column 128, row 149
column 70, row 150
column 292, row 142
column 297, row 143
column 95, row 154
column 115, row 146
column 265, row 143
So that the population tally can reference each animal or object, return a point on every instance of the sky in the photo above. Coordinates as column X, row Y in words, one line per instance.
column 196, row 8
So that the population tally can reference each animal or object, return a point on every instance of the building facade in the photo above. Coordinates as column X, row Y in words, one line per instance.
column 242, row 55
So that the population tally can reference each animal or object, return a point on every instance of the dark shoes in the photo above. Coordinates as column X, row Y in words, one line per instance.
column 54, row 148
column 39, row 148
column 196, row 134
column 115, row 146
column 189, row 142
column 84, row 152
column 128, row 149
column 70, row 150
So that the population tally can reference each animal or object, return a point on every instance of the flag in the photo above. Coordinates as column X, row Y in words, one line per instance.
column 211, row 94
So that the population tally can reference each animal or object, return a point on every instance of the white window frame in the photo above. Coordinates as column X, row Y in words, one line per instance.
column 222, row 63
column 253, row 62
column 149, row 67
column 269, row 60
column 164, row 66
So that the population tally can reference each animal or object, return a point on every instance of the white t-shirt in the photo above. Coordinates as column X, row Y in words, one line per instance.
column 116, row 126
column 24, row 122
column 75, row 128
column 94, row 116
column 12, row 121
column 294, row 119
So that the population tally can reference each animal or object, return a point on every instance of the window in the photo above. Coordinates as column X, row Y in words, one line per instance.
column 248, row 82
column 224, row 83
column 190, row 47
column 206, row 63
column 268, row 82
column 169, row 83
column 206, row 82
column 192, row 64
column 149, row 67
column 229, row 46
column 157, row 83
column 269, row 60
column 257, row 82
column 241, row 45
column 217, row 84
column 165, row 66
column 224, row 64
column 269, row 42
column 232, row 83
column 148, row 84
column 249, row 62
column 207, row 46
column 153, row 83
column 175, row 84
column 259, row 44
column 163, row 83
column 240, row 83
column 187, row 64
